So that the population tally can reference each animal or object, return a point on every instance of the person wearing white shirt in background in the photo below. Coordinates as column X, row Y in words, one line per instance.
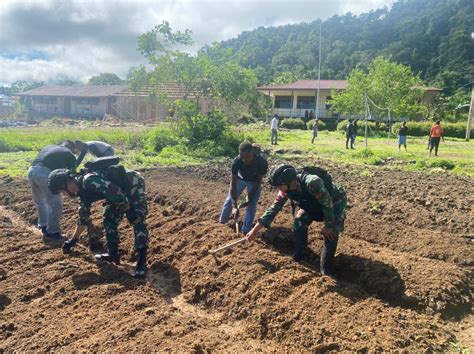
column 274, row 126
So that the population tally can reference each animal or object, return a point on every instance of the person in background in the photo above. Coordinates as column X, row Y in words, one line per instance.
column 436, row 133
column 49, row 206
column 274, row 127
column 315, row 131
column 349, row 134
column 96, row 148
column 402, row 136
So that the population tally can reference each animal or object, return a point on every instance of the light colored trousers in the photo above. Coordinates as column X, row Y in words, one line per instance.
column 48, row 205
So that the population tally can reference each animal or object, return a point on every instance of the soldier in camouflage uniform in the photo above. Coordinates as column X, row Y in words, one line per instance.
column 94, row 186
column 311, row 201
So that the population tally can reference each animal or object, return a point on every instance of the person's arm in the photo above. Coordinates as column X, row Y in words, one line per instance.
column 81, row 156
column 442, row 132
column 317, row 189
column 233, row 190
column 269, row 215
column 109, row 190
column 256, row 187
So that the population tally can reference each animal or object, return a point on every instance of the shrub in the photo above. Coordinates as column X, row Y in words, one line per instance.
column 321, row 125
column 159, row 138
column 246, row 119
column 373, row 127
column 293, row 123
column 195, row 128
column 443, row 163
column 452, row 130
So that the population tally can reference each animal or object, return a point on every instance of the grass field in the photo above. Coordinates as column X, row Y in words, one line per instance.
column 19, row 146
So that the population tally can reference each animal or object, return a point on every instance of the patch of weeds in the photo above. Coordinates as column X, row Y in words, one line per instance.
column 459, row 348
column 443, row 163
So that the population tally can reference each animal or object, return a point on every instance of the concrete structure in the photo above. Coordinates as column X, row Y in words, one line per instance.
column 95, row 101
column 293, row 100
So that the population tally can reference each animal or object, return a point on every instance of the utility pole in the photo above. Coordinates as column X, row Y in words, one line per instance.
column 319, row 72
column 470, row 117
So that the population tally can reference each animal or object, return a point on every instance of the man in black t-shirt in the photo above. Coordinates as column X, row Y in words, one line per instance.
column 49, row 206
column 248, row 168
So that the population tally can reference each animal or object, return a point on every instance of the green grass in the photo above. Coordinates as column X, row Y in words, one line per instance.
column 19, row 146
column 455, row 155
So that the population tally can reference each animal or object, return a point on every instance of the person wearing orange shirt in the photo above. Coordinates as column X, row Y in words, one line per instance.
column 436, row 133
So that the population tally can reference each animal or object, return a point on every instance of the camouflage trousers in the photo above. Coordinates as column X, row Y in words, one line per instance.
column 136, row 215
column 301, row 225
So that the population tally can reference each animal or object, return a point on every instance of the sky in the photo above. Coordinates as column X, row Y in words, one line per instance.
column 46, row 40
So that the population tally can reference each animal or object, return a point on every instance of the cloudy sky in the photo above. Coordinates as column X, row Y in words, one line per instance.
column 47, row 39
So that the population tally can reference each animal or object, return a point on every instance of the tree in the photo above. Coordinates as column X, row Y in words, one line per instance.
column 388, row 85
column 21, row 86
column 211, row 73
column 105, row 79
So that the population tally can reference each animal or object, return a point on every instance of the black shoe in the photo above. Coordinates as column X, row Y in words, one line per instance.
column 141, row 269
column 54, row 236
column 111, row 256
column 68, row 245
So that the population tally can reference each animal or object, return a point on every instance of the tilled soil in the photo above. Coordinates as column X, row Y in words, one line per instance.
column 404, row 267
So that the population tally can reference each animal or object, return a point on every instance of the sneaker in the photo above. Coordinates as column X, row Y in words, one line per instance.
column 54, row 236
column 68, row 245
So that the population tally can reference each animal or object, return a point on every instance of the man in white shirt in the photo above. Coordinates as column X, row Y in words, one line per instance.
column 274, row 126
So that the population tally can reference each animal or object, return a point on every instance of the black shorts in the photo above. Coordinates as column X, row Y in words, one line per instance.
column 435, row 142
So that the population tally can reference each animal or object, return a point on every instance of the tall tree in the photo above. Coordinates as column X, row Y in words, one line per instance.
column 388, row 85
column 105, row 79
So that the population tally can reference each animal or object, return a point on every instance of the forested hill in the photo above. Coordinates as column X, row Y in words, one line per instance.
column 432, row 36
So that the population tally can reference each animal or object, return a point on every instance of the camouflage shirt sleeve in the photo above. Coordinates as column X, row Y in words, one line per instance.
column 271, row 212
column 95, row 183
column 84, row 212
column 315, row 186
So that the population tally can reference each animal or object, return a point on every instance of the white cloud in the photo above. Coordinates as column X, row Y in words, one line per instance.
column 84, row 38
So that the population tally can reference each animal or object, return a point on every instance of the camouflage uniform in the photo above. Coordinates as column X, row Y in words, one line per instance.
column 312, row 202
column 94, row 186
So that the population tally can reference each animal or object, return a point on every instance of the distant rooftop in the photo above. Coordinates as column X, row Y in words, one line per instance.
column 171, row 89
column 313, row 85
column 75, row 90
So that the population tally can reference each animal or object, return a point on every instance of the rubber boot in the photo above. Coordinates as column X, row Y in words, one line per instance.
column 68, row 245
column 111, row 256
column 141, row 269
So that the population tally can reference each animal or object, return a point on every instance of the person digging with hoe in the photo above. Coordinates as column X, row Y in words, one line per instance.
column 248, row 169
column 314, row 197
column 124, row 194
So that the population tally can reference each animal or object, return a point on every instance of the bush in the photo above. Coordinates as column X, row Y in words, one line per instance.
column 373, row 127
column 452, row 130
column 321, row 125
column 246, row 119
column 159, row 138
column 293, row 123
column 195, row 128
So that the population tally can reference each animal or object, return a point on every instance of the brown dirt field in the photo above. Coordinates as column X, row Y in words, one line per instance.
column 405, row 273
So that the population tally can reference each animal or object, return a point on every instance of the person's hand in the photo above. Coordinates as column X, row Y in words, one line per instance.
column 327, row 233
column 251, row 235
column 235, row 213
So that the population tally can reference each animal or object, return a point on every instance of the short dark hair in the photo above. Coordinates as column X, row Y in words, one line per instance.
column 438, row 122
column 69, row 144
column 245, row 146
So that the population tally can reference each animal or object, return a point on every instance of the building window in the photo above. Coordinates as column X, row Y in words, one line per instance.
column 282, row 101
column 87, row 100
column 328, row 102
column 306, row 102
column 46, row 100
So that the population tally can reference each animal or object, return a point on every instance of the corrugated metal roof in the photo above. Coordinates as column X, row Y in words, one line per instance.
column 76, row 90
column 171, row 89
column 307, row 85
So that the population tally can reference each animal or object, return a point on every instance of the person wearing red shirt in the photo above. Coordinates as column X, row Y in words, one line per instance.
column 436, row 133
